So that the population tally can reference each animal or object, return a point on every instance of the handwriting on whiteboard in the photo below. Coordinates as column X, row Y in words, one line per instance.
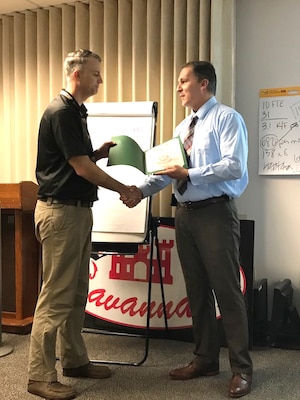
column 279, row 132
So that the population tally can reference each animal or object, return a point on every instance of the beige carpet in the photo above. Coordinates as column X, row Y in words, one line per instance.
column 276, row 376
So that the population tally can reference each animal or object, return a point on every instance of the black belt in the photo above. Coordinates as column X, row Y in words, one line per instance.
column 67, row 202
column 192, row 205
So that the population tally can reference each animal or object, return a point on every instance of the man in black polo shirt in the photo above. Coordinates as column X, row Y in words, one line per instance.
column 68, row 178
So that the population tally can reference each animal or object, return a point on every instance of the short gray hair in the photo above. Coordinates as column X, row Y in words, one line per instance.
column 76, row 59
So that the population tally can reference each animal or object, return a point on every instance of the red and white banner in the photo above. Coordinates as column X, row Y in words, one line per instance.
column 118, row 287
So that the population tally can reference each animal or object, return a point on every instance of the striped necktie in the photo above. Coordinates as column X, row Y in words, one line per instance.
column 187, row 144
column 188, row 140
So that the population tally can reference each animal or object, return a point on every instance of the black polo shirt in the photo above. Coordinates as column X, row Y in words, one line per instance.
column 63, row 134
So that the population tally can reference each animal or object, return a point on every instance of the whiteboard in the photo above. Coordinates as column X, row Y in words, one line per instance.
column 279, row 131
column 113, row 221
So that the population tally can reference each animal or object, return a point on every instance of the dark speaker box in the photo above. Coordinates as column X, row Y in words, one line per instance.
column 260, row 312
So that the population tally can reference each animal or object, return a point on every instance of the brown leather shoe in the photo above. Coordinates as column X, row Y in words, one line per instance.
column 51, row 390
column 193, row 370
column 88, row 371
column 240, row 385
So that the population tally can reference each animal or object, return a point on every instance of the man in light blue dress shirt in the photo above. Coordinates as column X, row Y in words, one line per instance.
column 207, row 226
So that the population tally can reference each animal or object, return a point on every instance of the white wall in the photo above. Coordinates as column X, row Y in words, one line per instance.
column 268, row 56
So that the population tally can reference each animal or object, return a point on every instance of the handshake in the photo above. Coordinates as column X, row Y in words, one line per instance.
column 131, row 196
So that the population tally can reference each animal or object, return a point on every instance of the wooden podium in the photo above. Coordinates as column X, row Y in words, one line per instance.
column 20, row 256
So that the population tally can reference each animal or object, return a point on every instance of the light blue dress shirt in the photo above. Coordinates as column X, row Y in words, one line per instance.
column 218, row 159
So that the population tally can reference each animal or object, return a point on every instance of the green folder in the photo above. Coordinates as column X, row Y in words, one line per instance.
column 128, row 152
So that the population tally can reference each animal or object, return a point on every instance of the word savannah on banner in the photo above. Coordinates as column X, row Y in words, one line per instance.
column 118, row 287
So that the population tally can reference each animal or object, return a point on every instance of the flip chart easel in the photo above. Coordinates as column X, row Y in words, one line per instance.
column 279, row 131
column 114, row 222
column 116, row 228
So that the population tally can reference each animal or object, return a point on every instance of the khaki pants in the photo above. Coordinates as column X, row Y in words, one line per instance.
column 65, row 234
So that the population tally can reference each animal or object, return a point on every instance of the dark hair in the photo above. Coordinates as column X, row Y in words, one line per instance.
column 204, row 70
column 77, row 58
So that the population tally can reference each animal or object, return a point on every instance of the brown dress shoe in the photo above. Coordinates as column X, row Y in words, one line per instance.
column 51, row 390
column 89, row 370
column 193, row 370
column 240, row 385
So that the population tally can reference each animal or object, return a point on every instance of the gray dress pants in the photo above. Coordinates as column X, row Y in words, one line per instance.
column 208, row 247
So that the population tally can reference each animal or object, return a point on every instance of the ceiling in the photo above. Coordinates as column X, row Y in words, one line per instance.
column 9, row 6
